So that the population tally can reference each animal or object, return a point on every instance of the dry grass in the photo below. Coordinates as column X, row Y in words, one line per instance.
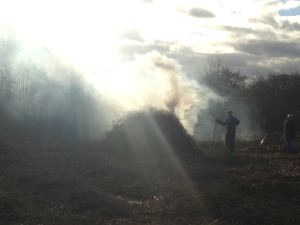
column 97, row 183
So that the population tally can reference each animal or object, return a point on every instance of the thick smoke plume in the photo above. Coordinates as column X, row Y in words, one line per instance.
column 157, row 81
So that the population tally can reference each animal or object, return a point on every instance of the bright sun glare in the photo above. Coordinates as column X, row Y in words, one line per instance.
column 86, row 30
column 87, row 34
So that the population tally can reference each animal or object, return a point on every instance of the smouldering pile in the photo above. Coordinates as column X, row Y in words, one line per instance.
column 152, row 131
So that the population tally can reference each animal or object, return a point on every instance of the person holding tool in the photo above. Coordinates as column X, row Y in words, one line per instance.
column 290, row 133
column 231, row 124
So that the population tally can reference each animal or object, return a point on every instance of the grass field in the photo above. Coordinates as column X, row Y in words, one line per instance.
column 98, row 183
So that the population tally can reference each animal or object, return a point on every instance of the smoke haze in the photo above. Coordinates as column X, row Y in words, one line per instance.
column 154, row 80
column 94, row 97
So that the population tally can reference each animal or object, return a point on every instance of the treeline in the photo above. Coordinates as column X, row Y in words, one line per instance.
column 268, row 97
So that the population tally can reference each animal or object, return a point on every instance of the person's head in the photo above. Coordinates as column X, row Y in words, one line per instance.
column 289, row 116
column 229, row 113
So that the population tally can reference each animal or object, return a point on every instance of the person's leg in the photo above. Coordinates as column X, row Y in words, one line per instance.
column 232, row 144
column 292, row 146
column 289, row 146
column 227, row 139
column 230, row 136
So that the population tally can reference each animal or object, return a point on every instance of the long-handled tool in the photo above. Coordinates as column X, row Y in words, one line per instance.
column 213, row 141
column 283, row 140
column 262, row 141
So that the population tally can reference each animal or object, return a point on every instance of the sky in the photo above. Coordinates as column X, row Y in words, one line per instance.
column 151, row 52
column 249, row 35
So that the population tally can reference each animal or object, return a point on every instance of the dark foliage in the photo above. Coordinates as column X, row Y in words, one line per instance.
column 276, row 96
column 268, row 98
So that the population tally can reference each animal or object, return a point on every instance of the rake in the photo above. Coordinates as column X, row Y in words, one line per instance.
column 213, row 141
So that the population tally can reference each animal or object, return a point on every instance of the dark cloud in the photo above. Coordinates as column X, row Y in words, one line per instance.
column 192, row 62
column 266, row 20
column 236, row 61
column 238, row 32
column 263, row 64
column 247, row 64
column 131, row 34
column 287, row 25
column 201, row 13
column 195, row 62
column 271, row 48
column 253, row 56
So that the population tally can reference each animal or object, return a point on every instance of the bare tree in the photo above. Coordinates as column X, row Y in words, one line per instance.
column 222, row 78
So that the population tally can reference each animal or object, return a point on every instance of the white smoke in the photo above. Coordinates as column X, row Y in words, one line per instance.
column 154, row 80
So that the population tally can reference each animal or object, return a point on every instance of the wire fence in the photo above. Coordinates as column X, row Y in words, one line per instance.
column 19, row 91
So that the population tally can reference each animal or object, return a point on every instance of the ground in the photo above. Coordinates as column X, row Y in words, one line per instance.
column 146, row 169
column 81, row 184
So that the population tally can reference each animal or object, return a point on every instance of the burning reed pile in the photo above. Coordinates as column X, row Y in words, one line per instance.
column 150, row 132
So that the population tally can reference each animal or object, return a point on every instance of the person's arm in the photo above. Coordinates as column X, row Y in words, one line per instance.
column 237, row 122
column 220, row 122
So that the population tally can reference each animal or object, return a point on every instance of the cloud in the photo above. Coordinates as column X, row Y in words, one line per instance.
column 266, row 20
column 250, row 55
column 272, row 48
column 267, row 14
column 291, row 5
column 290, row 26
column 240, row 32
column 187, row 31
column 131, row 34
column 147, row 1
column 201, row 13
column 128, row 52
